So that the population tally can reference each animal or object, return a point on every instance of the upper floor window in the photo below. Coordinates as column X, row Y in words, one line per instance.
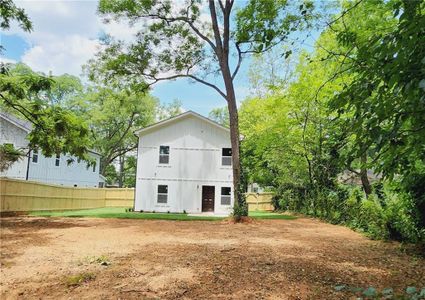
column 35, row 156
column 164, row 154
column 94, row 167
column 225, row 195
column 58, row 160
column 226, row 157
column 162, row 193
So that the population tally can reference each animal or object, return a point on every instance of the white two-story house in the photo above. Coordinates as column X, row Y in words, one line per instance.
column 184, row 165
column 37, row 167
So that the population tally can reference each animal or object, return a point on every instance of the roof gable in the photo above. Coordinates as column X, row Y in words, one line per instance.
column 22, row 124
column 178, row 118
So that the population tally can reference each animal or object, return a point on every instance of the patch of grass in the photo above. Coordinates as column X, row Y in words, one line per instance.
column 78, row 279
column 270, row 215
column 102, row 260
column 120, row 213
column 123, row 213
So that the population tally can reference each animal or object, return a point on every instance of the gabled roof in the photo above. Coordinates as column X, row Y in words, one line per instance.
column 24, row 125
column 177, row 118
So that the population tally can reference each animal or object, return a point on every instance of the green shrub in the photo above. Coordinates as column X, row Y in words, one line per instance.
column 389, row 213
column 239, row 211
column 351, row 207
column 371, row 218
column 399, row 215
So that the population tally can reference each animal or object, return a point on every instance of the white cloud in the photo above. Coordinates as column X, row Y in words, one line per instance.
column 65, row 55
column 7, row 60
column 65, row 34
column 60, row 18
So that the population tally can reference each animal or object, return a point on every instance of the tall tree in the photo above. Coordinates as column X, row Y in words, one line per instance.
column 114, row 115
column 196, row 40
column 55, row 129
column 10, row 12
column 385, row 55
column 26, row 94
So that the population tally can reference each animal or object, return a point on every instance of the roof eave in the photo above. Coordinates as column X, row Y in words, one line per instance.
column 175, row 118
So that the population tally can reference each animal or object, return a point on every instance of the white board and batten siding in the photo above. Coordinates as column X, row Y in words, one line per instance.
column 56, row 170
column 53, row 170
column 175, row 182
column 14, row 134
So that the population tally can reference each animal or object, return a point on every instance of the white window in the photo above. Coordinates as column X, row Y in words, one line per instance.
column 58, row 160
column 225, row 195
column 226, row 157
column 164, row 154
column 162, row 193
column 35, row 156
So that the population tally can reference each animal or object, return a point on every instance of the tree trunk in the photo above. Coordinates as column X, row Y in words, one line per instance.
column 234, row 130
column 234, row 140
column 222, row 53
column 363, row 175
column 121, row 173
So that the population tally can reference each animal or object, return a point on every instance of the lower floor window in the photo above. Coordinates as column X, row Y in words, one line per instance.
column 225, row 195
column 162, row 193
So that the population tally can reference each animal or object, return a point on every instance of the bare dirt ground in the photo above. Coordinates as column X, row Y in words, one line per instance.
column 267, row 259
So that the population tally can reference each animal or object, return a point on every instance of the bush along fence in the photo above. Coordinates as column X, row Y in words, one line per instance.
column 19, row 196
column 386, row 214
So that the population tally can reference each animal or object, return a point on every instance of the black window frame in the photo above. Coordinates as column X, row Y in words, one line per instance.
column 164, row 158
column 34, row 158
column 226, row 157
column 57, row 160
column 162, row 197
column 226, row 195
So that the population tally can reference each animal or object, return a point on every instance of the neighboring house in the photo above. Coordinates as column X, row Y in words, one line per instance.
column 353, row 178
column 255, row 188
column 184, row 164
column 37, row 167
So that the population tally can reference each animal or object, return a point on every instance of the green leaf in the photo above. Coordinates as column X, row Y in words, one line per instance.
column 340, row 287
column 370, row 292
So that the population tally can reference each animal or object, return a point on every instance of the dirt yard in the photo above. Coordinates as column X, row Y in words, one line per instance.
column 69, row 258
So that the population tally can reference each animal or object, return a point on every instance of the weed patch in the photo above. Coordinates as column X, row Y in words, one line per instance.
column 76, row 280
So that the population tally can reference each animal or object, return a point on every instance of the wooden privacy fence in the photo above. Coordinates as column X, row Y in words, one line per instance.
column 259, row 201
column 19, row 195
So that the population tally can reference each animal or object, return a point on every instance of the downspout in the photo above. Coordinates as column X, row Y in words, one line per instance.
column 28, row 165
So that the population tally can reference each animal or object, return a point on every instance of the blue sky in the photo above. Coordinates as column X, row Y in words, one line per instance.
column 66, row 35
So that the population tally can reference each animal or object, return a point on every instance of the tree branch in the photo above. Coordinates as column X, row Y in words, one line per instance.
column 129, row 125
column 239, row 61
column 155, row 80
column 226, row 28
column 25, row 112
column 344, row 13
column 216, row 29
column 183, row 19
